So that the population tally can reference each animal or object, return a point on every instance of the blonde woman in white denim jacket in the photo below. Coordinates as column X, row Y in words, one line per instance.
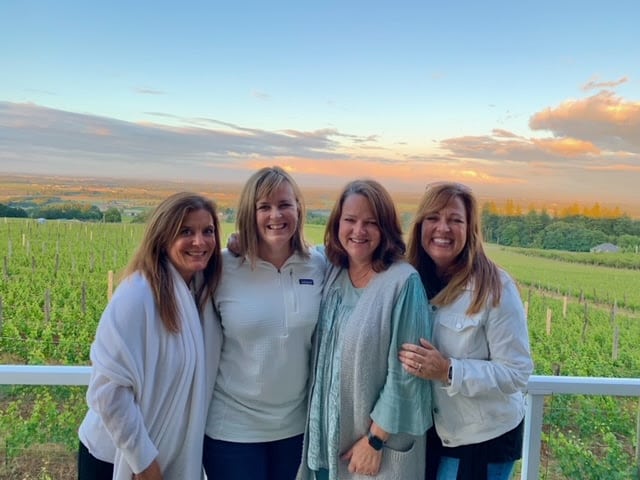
column 479, row 357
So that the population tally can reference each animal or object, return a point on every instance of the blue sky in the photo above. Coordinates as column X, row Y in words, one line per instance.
column 519, row 100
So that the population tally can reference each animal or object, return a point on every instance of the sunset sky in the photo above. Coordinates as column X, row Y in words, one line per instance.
column 522, row 100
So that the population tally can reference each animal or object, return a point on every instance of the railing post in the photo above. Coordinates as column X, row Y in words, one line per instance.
column 637, row 456
column 532, row 437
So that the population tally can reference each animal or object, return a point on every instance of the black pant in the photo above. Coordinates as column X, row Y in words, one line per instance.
column 276, row 460
column 90, row 468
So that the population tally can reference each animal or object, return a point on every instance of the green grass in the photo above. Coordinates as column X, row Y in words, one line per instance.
column 596, row 283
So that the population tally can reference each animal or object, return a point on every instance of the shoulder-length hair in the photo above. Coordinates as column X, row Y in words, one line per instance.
column 260, row 185
column 472, row 267
column 392, row 246
column 152, row 256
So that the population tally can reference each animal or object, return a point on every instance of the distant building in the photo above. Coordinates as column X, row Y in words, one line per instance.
column 605, row 248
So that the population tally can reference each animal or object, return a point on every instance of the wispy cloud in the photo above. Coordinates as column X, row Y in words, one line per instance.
column 594, row 84
column 260, row 95
column 148, row 91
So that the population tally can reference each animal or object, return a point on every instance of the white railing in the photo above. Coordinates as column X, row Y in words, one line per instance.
column 539, row 387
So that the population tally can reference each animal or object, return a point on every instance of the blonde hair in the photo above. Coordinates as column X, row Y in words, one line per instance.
column 260, row 185
column 391, row 246
column 472, row 264
column 152, row 257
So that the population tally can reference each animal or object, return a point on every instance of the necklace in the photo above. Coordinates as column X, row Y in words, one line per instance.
column 362, row 279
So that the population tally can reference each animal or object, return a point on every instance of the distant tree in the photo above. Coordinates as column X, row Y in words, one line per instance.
column 229, row 215
column 573, row 232
column 511, row 209
column 490, row 222
column 141, row 217
column 76, row 211
column 571, row 211
column 511, row 234
column 563, row 235
column 15, row 212
column 112, row 215
column 545, row 218
column 318, row 218
column 628, row 243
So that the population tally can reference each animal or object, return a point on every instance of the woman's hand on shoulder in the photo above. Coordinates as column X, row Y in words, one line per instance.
column 233, row 244
column 424, row 361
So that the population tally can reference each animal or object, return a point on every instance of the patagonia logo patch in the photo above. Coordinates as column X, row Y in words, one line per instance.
column 306, row 281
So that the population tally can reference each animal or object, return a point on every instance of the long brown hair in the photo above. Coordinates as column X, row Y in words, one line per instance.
column 391, row 246
column 472, row 264
column 260, row 185
column 152, row 258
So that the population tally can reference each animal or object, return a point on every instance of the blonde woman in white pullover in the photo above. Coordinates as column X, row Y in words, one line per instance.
column 268, row 301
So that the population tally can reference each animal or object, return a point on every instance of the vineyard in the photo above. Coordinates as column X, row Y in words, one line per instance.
column 55, row 282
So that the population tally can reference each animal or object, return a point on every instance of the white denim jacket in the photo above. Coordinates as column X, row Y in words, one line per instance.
column 491, row 363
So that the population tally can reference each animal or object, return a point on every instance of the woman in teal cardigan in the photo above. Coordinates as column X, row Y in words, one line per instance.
column 367, row 415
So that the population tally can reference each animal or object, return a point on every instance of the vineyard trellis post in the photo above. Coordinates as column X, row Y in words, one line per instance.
column 586, row 321
column 83, row 300
column 47, row 305
column 638, row 440
column 109, row 284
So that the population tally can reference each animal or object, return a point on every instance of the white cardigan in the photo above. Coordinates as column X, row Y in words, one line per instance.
column 149, row 388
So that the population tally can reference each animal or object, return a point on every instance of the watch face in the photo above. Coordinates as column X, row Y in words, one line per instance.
column 375, row 442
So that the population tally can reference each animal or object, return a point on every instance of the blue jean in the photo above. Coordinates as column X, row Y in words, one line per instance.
column 448, row 469
column 277, row 460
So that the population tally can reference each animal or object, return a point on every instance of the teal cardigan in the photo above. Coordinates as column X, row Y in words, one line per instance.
column 373, row 384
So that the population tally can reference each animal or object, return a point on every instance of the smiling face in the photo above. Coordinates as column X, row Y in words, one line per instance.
column 195, row 243
column 444, row 233
column 358, row 230
column 277, row 219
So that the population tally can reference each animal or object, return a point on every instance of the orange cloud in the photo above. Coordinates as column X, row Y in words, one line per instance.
column 401, row 174
column 569, row 147
column 619, row 167
column 604, row 119
column 99, row 131
column 605, row 107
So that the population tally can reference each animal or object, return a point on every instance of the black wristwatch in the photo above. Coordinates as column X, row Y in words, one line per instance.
column 376, row 442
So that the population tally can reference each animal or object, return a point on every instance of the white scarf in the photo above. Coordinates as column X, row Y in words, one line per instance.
column 171, row 376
